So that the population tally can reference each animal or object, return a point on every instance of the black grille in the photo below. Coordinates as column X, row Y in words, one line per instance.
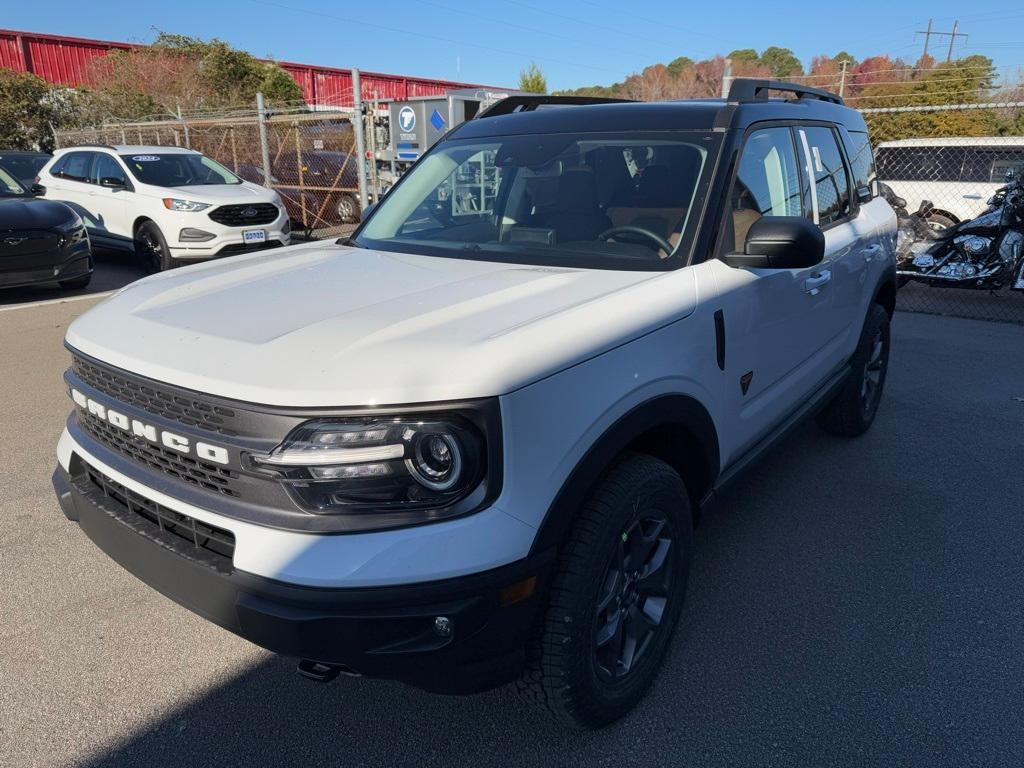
column 201, row 474
column 233, row 248
column 151, row 398
column 181, row 533
column 244, row 215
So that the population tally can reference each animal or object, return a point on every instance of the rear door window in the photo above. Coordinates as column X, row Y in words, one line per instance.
column 829, row 175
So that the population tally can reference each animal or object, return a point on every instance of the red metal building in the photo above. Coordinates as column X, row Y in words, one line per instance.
column 64, row 60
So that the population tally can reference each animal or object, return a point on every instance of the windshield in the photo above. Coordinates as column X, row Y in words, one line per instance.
column 9, row 186
column 612, row 201
column 178, row 170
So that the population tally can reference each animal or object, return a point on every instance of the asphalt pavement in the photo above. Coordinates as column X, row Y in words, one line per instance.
column 853, row 603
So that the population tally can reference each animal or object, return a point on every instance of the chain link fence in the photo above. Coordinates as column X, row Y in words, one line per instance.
column 311, row 156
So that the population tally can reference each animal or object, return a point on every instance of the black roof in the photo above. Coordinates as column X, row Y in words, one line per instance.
column 748, row 102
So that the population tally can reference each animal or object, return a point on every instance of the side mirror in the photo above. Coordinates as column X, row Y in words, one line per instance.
column 365, row 213
column 38, row 190
column 863, row 195
column 111, row 182
column 780, row 242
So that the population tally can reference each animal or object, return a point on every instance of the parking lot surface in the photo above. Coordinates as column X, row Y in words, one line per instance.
column 852, row 603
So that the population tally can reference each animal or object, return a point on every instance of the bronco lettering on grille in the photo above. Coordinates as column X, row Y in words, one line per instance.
column 175, row 442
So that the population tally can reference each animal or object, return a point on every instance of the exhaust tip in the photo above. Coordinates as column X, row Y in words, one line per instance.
column 322, row 672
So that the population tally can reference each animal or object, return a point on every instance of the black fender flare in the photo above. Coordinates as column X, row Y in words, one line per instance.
column 699, row 462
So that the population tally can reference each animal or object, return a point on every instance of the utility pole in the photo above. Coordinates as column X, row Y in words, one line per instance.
column 842, row 76
column 727, row 78
column 927, row 38
column 951, row 35
column 952, row 39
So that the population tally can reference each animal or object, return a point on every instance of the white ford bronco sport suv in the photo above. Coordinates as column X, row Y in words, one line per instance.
column 468, row 445
column 172, row 206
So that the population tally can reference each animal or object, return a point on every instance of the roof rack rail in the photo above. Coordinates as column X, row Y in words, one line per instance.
column 103, row 146
column 744, row 89
column 512, row 104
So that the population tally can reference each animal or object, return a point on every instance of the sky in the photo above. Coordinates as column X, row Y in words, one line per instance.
column 574, row 42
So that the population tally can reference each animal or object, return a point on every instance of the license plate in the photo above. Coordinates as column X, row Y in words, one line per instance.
column 254, row 236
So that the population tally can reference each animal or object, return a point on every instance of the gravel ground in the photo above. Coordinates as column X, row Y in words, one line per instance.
column 852, row 603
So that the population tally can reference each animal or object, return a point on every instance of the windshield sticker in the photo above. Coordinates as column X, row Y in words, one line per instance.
column 146, row 158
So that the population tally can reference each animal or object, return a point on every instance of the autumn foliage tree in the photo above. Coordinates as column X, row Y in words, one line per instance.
column 180, row 72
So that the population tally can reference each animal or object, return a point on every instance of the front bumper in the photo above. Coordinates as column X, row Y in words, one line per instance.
column 386, row 632
column 66, row 264
column 226, row 240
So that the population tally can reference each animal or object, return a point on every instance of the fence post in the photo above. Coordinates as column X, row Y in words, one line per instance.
column 375, row 182
column 184, row 126
column 261, row 120
column 302, row 175
column 360, row 128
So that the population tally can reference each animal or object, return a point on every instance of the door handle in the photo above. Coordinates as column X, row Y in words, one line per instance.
column 814, row 282
column 972, row 197
column 871, row 251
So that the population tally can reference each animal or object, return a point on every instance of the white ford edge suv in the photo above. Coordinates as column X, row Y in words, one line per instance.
column 171, row 205
column 468, row 445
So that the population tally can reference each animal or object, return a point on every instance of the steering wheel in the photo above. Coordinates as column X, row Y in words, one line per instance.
column 609, row 234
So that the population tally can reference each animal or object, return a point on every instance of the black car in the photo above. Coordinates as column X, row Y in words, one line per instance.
column 24, row 166
column 41, row 241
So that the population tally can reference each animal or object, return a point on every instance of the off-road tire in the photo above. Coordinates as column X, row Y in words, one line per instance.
column 563, row 672
column 852, row 411
column 151, row 248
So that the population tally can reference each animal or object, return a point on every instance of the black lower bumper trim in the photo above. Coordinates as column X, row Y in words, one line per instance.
column 386, row 632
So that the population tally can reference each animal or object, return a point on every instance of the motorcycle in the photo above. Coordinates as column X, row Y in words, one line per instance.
column 985, row 253
column 914, row 232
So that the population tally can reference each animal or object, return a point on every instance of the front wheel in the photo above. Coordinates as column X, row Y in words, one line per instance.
column 616, row 596
column 852, row 411
column 151, row 248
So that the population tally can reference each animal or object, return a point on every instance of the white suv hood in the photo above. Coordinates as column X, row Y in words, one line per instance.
column 326, row 325
column 220, row 194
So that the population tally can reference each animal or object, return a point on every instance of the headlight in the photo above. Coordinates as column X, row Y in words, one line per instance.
column 174, row 204
column 428, row 466
column 74, row 224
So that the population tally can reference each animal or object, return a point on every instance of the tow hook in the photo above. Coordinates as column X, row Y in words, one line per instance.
column 323, row 673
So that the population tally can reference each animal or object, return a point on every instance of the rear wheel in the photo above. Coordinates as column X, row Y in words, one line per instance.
column 347, row 208
column 853, row 410
column 151, row 248
column 616, row 596
column 938, row 222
